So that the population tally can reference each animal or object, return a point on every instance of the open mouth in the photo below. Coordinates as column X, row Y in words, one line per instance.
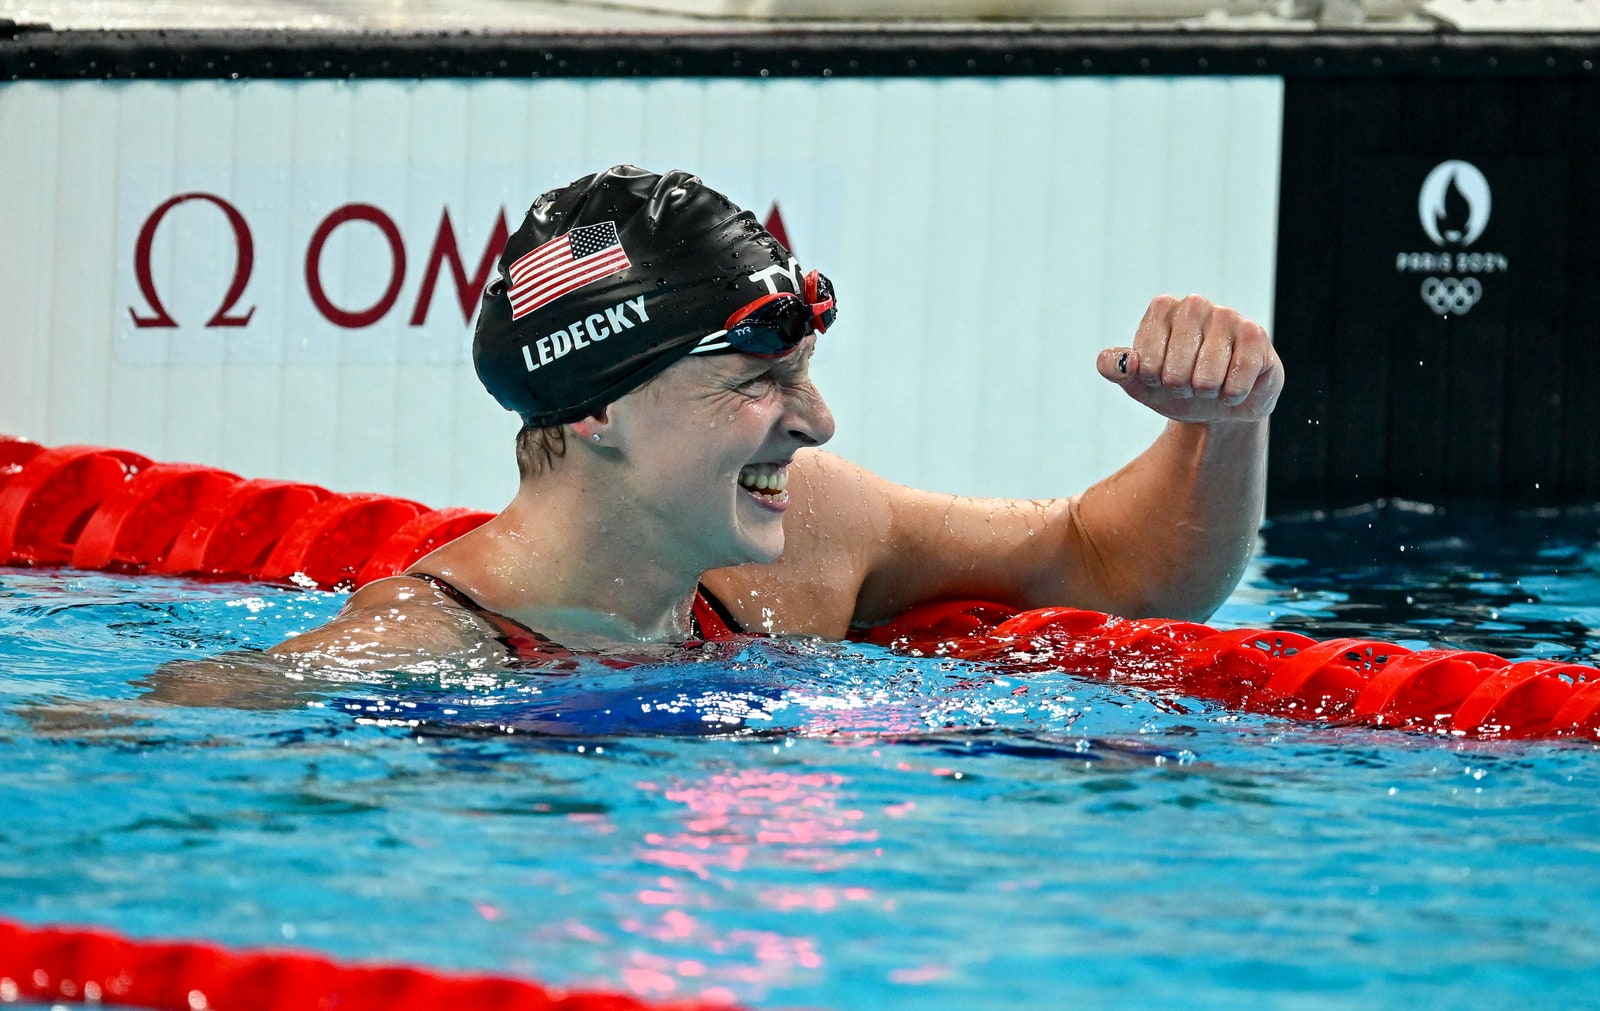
column 768, row 482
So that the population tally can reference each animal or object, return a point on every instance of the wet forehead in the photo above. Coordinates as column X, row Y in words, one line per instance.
column 721, row 368
column 795, row 363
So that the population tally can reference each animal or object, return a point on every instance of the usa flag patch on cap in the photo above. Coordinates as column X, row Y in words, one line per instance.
column 564, row 264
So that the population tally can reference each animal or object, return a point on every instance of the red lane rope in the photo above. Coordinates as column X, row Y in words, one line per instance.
column 56, row 964
column 112, row 509
column 97, row 508
column 1342, row 681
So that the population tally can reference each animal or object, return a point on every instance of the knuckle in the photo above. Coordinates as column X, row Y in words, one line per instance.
column 1190, row 315
column 1229, row 319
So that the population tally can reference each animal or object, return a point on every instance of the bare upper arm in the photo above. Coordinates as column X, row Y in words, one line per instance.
column 940, row 546
column 861, row 550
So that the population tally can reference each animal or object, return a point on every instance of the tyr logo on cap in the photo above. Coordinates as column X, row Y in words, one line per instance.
column 770, row 274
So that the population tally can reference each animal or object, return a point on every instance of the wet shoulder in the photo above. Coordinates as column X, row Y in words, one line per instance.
column 393, row 619
column 838, row 518
column 840, row 499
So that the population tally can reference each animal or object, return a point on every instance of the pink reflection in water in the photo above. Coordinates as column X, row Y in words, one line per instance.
column 747, row 960
column 598, row 822
column 930, row 972
column 733, row 810
column 819, row 899
column 576, row 930
column 730, row 820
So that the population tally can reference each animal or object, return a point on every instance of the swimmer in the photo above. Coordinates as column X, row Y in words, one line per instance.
column 656, row 342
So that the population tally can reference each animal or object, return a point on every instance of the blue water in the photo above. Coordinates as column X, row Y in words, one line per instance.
column 807, row 824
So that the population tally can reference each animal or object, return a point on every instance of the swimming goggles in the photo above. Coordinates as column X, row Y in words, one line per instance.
column 773, row 325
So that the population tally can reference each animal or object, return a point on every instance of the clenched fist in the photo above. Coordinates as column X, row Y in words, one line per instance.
column 1193, row 360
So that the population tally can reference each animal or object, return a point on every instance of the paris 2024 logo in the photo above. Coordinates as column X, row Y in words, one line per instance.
column 1453, row 206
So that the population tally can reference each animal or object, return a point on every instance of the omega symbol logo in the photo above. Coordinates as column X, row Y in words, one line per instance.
column 1454, row 203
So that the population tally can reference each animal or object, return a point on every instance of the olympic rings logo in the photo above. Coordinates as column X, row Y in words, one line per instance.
column 1451, row 296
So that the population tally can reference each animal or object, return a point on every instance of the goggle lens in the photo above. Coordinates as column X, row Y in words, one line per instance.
column 773, row 325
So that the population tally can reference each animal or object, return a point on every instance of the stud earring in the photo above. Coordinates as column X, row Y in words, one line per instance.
column 595, row 437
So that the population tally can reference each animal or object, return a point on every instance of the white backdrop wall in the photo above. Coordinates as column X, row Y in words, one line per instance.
column 987, row 237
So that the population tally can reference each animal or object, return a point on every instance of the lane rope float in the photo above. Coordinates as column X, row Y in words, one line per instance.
column 109, row 509
column 1360, row 682
column 112, row 509
column 60, row 964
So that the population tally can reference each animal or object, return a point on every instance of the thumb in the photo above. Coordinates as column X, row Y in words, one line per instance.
column 1120, row 365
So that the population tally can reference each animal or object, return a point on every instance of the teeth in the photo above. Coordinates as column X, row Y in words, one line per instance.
column 772, row 478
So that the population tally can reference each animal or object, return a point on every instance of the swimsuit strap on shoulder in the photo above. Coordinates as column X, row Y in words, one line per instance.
column 447, row 588
column 711, row 618
column 523, row 642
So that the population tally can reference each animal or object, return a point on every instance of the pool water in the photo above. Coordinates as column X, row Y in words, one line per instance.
column 806, row 824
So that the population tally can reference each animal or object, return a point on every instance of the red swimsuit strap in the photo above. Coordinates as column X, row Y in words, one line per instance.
column 712, row 619
column 522, row 642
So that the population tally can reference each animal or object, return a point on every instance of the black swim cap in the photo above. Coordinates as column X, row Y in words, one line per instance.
column 610, row 280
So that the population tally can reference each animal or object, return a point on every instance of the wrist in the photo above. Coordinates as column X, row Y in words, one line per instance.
column 1230, row 429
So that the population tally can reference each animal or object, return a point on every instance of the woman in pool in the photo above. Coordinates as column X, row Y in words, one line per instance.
column 656, row 341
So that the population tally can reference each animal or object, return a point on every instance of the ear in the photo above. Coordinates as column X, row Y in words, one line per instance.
column 593, row 430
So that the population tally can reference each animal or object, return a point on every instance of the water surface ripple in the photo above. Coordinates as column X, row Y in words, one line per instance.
column 793, row 823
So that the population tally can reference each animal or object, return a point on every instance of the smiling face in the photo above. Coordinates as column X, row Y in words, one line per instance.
column 704, row 453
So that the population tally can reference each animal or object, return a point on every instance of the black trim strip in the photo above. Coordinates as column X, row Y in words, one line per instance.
column 719, row 609
column 29, row 52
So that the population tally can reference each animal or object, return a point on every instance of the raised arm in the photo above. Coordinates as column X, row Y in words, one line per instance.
column 1176, row 526
column 1169, row 534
